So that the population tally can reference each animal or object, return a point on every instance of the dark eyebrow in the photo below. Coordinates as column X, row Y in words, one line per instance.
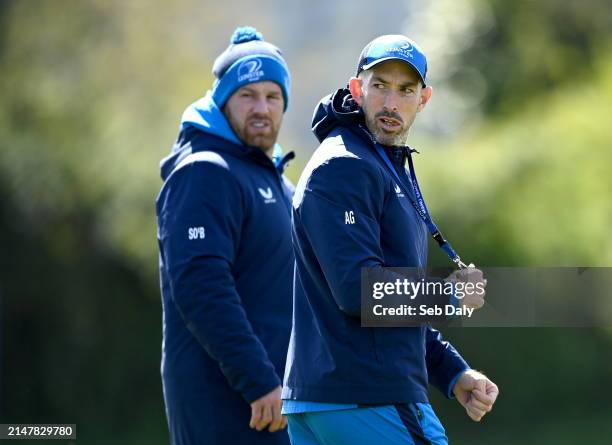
column 409, row 84
column 412, row 83
column 378, row 79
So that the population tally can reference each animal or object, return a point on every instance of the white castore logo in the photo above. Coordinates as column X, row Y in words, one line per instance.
column 267, row 195
column 196, row 233
column 398, row 191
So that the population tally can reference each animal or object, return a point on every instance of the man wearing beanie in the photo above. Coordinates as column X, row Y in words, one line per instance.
column 356, row 206
column 226, row 260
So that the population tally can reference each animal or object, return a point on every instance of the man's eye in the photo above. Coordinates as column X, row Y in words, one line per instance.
column 379, row 86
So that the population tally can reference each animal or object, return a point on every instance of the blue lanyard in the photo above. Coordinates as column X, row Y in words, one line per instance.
column 419, row 205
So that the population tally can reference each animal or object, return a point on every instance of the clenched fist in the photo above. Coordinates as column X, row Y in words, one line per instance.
column 476, row 393
column 266, row 412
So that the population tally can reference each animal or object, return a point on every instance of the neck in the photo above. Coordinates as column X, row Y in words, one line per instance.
column 269, row 152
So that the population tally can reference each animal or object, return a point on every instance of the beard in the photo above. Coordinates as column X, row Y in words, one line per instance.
column 383, row 136
column 261, row 137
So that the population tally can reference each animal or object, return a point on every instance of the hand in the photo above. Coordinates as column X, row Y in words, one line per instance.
column 267, row 411
column 473, row 294
column 476, row 393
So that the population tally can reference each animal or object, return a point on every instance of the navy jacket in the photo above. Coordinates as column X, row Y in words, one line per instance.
column 226, row 268
column 331, row 357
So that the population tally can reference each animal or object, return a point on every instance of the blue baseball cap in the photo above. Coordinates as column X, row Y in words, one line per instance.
column 393, row 47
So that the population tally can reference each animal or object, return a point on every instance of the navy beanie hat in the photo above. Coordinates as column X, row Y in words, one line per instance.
column 249, row 59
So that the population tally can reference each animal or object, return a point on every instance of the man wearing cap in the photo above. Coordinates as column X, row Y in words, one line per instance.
column 226, row 261
column 353, row 208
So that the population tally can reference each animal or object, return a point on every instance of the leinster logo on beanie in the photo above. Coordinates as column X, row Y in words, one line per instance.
column 246, row 60
column 250, row 71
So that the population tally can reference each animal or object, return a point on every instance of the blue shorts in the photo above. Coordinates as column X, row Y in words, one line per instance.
column 406, row 424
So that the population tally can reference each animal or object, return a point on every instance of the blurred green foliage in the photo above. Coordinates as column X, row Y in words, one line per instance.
column 534, row 189
column 536, row 47
column 90, row 98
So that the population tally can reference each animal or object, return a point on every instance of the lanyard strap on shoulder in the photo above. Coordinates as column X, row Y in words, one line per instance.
column 420, row 206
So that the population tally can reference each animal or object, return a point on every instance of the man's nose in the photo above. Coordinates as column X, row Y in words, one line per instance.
column 260, row 105
column 391, row 100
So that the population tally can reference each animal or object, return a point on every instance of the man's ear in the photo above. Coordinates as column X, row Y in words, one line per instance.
column 355, row 87
column 426, row 93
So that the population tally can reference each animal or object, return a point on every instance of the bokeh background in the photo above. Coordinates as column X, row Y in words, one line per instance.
column 515, row 163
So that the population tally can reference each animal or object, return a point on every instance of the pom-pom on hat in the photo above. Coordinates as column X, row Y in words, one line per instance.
column 249, row 59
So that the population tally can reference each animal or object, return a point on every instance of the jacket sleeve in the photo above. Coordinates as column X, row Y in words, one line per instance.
column 338, row 209
column 200, row 213
column 444, row 363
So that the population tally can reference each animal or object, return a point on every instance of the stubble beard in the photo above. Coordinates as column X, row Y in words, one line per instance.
column 383, row 137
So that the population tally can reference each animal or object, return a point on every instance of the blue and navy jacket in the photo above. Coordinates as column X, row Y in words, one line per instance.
column 226, row 268
column 331, row 358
